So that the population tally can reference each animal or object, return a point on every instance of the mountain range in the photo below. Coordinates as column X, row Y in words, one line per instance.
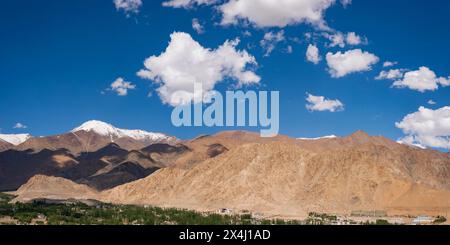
column 88, row 137
column 279, row 176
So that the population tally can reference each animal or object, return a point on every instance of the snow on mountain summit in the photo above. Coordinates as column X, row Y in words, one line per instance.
column 319, row 138
column 98, row 127
column 107, row 129
column 15, row 139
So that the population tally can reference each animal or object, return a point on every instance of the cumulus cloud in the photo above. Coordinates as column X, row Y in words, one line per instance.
column 427, row 127
column 431, row 102
column 320, row 103
column 128, row 6
column 392, row 74
column 197, row 26
column 20, row 126
column 421, row 80
column 121, row 87
column 312, row 54
column 339, row 39
column 270, row 40
column 341, row 64
column 444, row 81
column 187, row 3
column 353, row 39
column 185, row 63
column 389, row 63
column 266, row 13
column 275, row 13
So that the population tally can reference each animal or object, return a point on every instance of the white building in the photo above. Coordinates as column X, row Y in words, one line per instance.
column 423, row 220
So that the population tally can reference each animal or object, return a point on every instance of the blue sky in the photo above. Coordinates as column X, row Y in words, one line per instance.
column 57, row 59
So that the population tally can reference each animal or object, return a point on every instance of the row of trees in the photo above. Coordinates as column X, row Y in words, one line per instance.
column 79, row 213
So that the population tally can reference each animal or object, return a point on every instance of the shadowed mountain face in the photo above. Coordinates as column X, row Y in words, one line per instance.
column 5, row 145
column 216, row 149
column 101, row 169
column 96, row 153
column 105, row 168
column 17, row 166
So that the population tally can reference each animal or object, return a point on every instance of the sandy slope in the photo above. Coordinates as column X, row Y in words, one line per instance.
column 41, row 186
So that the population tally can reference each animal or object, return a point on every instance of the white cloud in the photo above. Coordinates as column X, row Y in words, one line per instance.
column 431, row 102
column 392, row 74
column 353, row 39
column 197, row 26
column 276, row 13
column 312, row 54
column 444, row 81
column 389, row 63
column 185, row 63
column 340, row 39
column 320, row 103
column 20, row 126
column 187, row 3
column 421, row 80
column 128, row 6
column 270, row 40
column 337, row 39
column 427, row 127
column 352, row 61
column 121, row 87
column 246, row 33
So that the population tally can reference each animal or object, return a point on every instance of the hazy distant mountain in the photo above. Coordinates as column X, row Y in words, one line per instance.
column 93, row 135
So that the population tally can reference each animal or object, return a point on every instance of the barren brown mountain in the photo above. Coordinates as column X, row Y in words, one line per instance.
column 208, row 146
column 54, row 188
column 84, row 141
column 288, row 177
column 105, row 168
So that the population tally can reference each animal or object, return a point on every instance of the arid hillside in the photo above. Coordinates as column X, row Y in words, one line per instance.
column 288, row 177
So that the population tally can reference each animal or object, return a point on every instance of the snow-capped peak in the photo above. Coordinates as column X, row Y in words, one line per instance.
column 98, row 127
column 411, row 144
column 15, row 139
column 107, row 129
column 319, row 138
